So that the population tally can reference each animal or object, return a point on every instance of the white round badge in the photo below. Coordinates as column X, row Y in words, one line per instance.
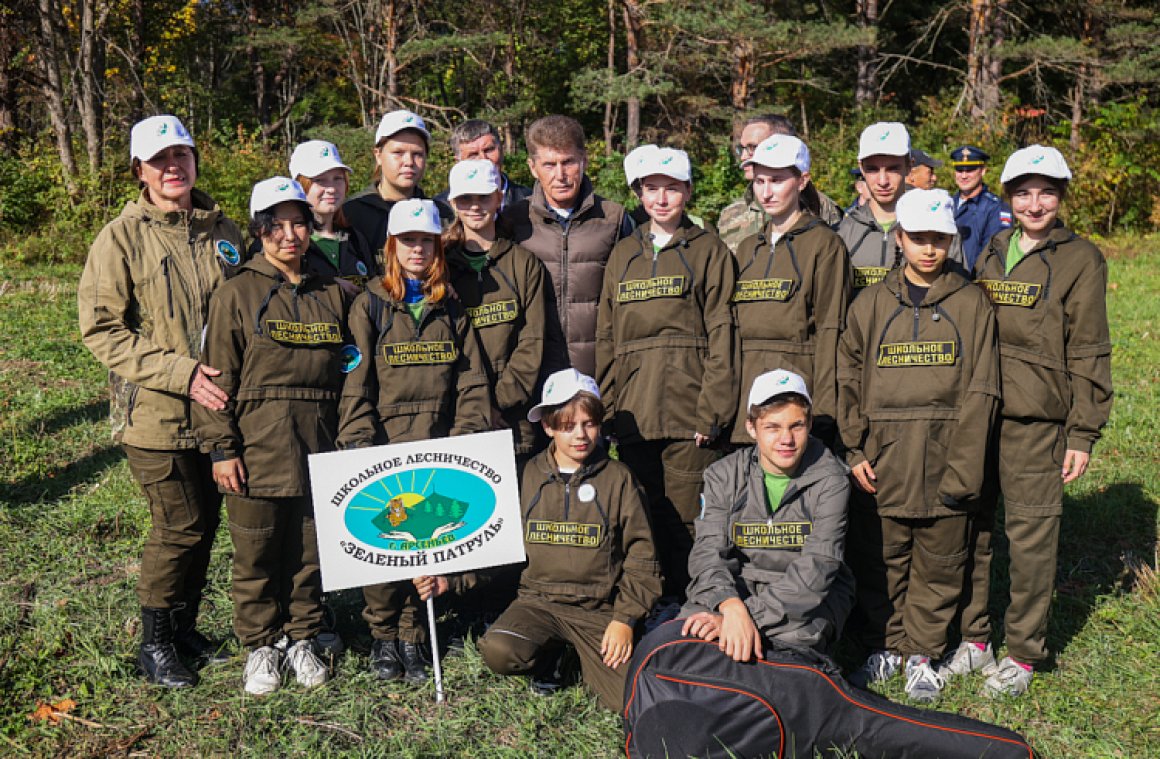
column 587, row 493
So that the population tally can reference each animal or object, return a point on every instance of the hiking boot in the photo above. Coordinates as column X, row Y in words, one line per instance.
column 414, row 662
column 550, row 678
column 156, row 656
column 1011, row 679
column 330, row 646
column 967, row 658
column 263, row 672
column 309, row 670
column 880, row 665
column 385, row 662
column 191, row 643
column 923, row 684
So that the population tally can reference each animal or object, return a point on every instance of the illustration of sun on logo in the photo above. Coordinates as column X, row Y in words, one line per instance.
column 412, row 511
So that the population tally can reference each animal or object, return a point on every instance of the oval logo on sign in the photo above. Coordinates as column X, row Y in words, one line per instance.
column 420, row 509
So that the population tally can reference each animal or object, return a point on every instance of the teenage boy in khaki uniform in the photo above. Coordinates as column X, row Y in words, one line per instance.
column 665, row 353
column 918, row 391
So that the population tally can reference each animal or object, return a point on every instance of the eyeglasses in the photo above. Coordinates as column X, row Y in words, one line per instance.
column 741, row 150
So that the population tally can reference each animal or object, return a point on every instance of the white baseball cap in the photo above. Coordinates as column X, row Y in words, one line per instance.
column 1036, row 159
column 414, row 215
column 635, row 159
column 778, row 382
column 884, row 138
column 781, row 151
column 152, row 135
column 926, row 211
column 270, row 192
column 668, row 162
column 315, row 157
column 396, row 121
column 475, row 177
column 561, row 387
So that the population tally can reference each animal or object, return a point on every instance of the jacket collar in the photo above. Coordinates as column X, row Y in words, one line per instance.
column 587, row 199
column 1059, row 235
column 687, row 231
column 947, row 284
column 203, row 217
column 593, row 465
column 259, row 264
column 500, row 248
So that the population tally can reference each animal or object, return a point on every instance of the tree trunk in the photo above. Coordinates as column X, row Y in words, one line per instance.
column 392, row 55
column 8, row 34
column 257, row 71
column 609, row 125
column 866, row 86
column 92, row 75
column 633, row 28
column 1080, row 89
column 52, row 49
column 744, row 81
column 137, row 54
column 985, row 30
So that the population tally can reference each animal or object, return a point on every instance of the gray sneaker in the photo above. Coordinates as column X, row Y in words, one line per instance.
column 263, row 672
column 968, row 658
column 880, row 665
column 923, row 684
column 1010, row 680
column 309, row 670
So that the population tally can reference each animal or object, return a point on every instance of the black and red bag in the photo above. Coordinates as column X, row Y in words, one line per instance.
column 683, row 697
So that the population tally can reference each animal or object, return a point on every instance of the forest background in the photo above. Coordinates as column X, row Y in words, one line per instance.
column 251, row 78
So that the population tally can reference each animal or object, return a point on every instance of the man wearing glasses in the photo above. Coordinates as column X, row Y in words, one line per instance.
column 979, row 213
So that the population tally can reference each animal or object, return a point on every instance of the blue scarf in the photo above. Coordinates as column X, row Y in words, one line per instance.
column 414, row 292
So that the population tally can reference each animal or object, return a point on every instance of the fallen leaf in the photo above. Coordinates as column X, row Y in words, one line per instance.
column 52, row 712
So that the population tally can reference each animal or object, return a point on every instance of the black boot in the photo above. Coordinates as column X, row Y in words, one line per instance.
column 414, row 662
column 157, row 657
column 191, row 643
column 385, row 660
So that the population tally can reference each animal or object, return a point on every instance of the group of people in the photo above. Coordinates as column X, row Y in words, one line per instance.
column 713, row 408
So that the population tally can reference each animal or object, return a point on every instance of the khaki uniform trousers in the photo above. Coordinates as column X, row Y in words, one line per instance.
column 672, row 473
column 910, row 574
column 277, row 583
column 185, row 511
column 1028, row 472
column 528, row 636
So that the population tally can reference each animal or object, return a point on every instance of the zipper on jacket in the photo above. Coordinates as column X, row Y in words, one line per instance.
column 567, row 496
column 168, row 285
column 562, row 307
column 885, row 240
column 916, row 324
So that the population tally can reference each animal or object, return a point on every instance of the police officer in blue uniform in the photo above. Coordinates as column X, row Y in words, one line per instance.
column 979, row 213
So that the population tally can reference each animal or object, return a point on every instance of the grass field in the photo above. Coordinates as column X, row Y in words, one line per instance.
column 72, row 523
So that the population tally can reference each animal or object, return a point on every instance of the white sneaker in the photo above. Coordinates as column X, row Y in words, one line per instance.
column 923, row 684
column 1011, row 679
column 263, row 672
column 309, row 670
column 880, row 665
column 968, row 658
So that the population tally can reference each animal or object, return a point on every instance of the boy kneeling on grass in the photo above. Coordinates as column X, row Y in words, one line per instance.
column 767, row 562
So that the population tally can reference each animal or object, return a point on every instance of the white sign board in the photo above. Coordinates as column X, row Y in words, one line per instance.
column 433, row 507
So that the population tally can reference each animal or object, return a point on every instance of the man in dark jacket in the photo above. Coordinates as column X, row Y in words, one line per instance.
column 475, row 139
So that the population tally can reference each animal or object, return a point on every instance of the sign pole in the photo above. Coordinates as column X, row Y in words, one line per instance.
column 435, row 663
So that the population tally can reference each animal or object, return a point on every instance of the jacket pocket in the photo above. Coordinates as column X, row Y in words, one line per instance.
column 1034, row 387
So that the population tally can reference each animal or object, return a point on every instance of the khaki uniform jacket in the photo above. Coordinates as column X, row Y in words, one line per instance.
column 279, row 349
column 142, row 302
column 745, row 217
column 588, row 540
column 1054, row 346
column 414, row 382
column 791, row 304
column 918, row 393
column 666, row 345
column 506, row 304
column 786, row 566
column 874, row 252
column 573, row 255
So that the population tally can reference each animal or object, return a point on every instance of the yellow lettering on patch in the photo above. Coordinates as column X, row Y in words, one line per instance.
column 917, row 354
column 408, row 354
column 790, row 535
column 576, row 534
column 298, row 333
column 487, row 314
column 864, row 276
column 647, row 289
column 762, row 289
column 1006, row 293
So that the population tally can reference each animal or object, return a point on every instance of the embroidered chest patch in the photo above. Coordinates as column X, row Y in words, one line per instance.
column 1007, row 293
column 430, row 352
column 575, row 534
column 864, row 276
column 297, row 333
column 647, row 289
column 763, row 289
column 771, row 535
column 487, row 314
column 937, row 353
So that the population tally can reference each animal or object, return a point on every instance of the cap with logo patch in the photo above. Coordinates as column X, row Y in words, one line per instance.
column 927, row 211
column 778, row 382
column 667, row 162
column 315, row 157
column 635, row 159
column 781, row 151
column 414, row 215
column 561, row 387
column 396, row 121
column 270, row 192
column 884, row 138
column 474, row 177
column 1036, row 159
column 152, row 135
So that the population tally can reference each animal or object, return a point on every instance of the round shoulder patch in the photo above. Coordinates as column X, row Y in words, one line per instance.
column 228, row 253
column 351, row 357
column 361, row 268
column 586, row 493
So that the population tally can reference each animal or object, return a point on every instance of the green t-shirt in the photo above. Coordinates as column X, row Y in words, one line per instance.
column 1014, row 252
column 775, row 487
column 476, row 260
column 416, row 309
column 886, row 226
column 329, row 248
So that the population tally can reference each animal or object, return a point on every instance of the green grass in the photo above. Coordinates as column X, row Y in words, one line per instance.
column 72, row 523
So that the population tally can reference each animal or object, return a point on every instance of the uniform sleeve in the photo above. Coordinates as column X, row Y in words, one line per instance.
column 1089, row 357
column 224, row 349
column 834, row 282
column 804, row 586
column 967, row 449
column 853, row 425
column 104, row 299
column 606, row 340
column 717, row 403
column 712, row 578
column 639, row 585
column 472, row 399
column 517, row 383
column 356, row 408
column 998, row 218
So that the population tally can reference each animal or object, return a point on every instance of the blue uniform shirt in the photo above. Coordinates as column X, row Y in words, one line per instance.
column 978, row 219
